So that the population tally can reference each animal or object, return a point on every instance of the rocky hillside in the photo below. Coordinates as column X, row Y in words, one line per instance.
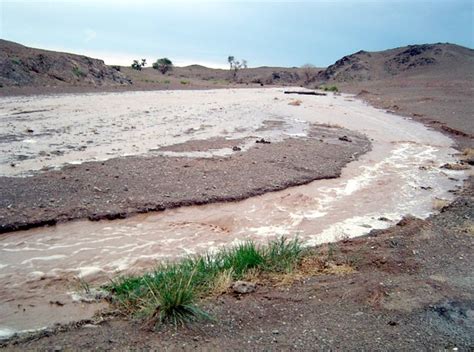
column 436, row 59
column 22, row 66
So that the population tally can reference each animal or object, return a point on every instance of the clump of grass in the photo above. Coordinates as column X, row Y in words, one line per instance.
column 84, row 285
column 170, row 294
column 329, row 89
column 166, row 81
column 173, row 301
column 184, row 82
column 282, row 255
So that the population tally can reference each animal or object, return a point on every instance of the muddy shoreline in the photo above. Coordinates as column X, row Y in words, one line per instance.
column 120, row 187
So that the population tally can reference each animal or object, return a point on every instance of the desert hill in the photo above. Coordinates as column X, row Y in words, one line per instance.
column 27, row 68
column 22, row 66
column 432, row 83
column 435, row 59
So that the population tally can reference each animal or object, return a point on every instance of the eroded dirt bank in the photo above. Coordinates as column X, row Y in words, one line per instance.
column 119, row 187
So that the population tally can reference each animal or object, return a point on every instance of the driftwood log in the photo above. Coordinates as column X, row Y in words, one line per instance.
column 303, row 92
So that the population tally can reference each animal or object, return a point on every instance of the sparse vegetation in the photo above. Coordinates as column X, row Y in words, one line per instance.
column 219, row 81
column 163, row 65
column 170, row 294
column 16, row 61
column 184, row 82
column 333, row 89
column 84, row 285
column 309, row 73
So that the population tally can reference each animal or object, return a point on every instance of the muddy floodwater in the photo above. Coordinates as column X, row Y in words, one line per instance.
column 39, row 268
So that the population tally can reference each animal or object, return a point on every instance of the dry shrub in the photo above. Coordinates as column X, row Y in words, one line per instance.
column 252, row 275
column 222, row 283
column 296, row 102
column 439, row 204
column 456, row 166
column 468, row 153
column 338, row 269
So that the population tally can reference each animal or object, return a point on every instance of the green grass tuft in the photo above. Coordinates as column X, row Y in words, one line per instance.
column 173, row 301
column 240, row 259
column 282, row 255
column 170, row 293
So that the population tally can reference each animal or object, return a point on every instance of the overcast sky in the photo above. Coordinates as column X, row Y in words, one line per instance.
column 265, row 33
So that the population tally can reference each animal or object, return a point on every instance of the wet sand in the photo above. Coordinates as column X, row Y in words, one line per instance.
column 400, row 175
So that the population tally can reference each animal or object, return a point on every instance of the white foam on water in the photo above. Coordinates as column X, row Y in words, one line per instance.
column 45, row 258
column 6, row 333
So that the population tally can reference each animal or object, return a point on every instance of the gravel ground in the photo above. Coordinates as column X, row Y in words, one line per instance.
column 119, row 187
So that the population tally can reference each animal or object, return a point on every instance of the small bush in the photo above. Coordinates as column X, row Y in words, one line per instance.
column 163, row 65
column 16, row 61
column 184, row 82
column 137, row 65
column 330, row 89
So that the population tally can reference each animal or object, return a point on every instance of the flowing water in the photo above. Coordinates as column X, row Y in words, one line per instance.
column 400, row 175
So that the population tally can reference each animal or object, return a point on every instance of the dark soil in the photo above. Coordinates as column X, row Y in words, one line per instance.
column 119, row 187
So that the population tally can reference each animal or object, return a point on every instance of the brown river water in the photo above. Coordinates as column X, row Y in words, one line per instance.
column 39, row 268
